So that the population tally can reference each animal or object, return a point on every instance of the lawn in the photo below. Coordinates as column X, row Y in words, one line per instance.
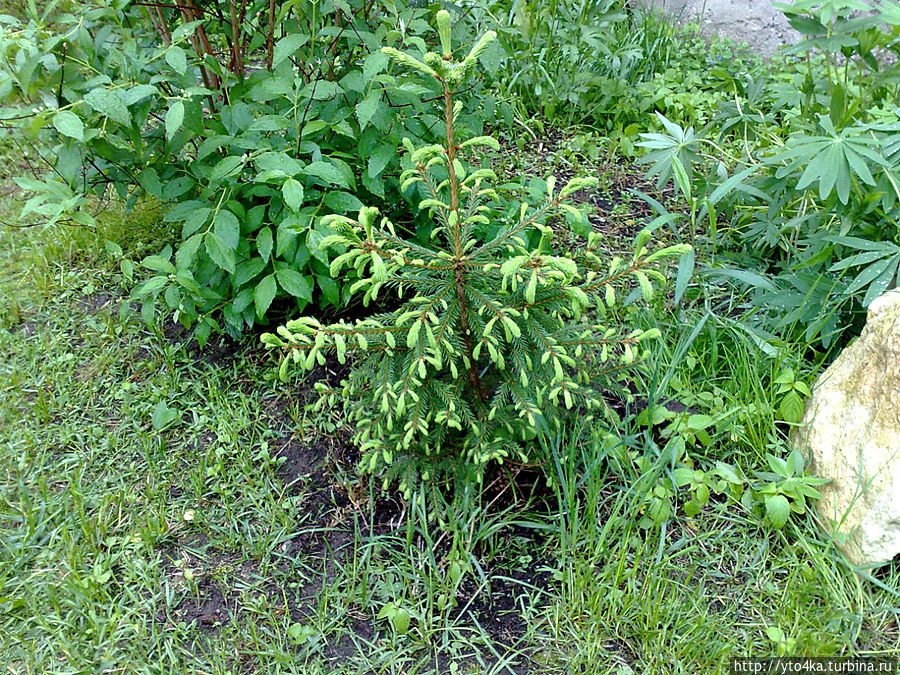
column 166, row 509
column 604, row 484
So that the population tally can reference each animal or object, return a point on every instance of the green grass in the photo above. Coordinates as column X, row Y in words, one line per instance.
column 238, row 538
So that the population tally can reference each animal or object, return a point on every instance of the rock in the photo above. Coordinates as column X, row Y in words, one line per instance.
column 755, row 22
column 851, row 434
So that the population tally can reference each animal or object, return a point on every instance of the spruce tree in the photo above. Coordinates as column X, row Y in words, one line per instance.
column 493, row 340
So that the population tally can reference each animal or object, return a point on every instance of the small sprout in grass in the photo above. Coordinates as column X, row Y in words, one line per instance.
column 100, row 573
column 397, row 616
column 786, row 488
column 794, row 392
column 300, row 633
column 163, row 416
column 784, row 645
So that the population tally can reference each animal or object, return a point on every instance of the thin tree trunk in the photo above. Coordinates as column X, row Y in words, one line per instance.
column 459, row 264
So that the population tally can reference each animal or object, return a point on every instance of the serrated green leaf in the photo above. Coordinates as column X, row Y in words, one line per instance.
column 321, row 90
column 264, row 242
column 802, row 388
column 185, row 30
column 367, row 108
column 778, row 509
column 226, row 225
column 177, row 59
column 284, row 237
column 220, row 253
column 226, row 167
column 294, row 283
column 288, row 46
column 247, row 270
column 138, row 93
column 330, row 289
column 379, row 159
column 174, row 118
column 313, row 126
column 791, row 408
column 374, row 64
column 158, row 264
column 149, row 180
column 342, row 202
column 152, row 286
column 806, row 24
column 326, row 172
column 785, row 376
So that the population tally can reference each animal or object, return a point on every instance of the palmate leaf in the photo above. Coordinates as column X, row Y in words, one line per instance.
column 825, row 10
column 832, row 160
column 671, row 153
column 879, row 261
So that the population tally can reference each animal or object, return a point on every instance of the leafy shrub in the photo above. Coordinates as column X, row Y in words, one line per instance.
column 249, row 120
column 807, row 216
column 491, row 337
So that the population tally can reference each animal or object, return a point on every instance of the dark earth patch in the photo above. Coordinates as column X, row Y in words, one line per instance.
column 219, row 350
column 29, row 327
column 614, row 207
column 94, row 303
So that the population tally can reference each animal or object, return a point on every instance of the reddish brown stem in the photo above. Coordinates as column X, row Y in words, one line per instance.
column 164, row 5
column 270, row 36
column 237, row 49
column 201, row 43
column 189, row 12
column 451, row 155
column 159, row 23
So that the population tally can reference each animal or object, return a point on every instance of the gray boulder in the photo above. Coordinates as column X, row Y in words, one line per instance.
column 851, row 433
column 755, row 22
